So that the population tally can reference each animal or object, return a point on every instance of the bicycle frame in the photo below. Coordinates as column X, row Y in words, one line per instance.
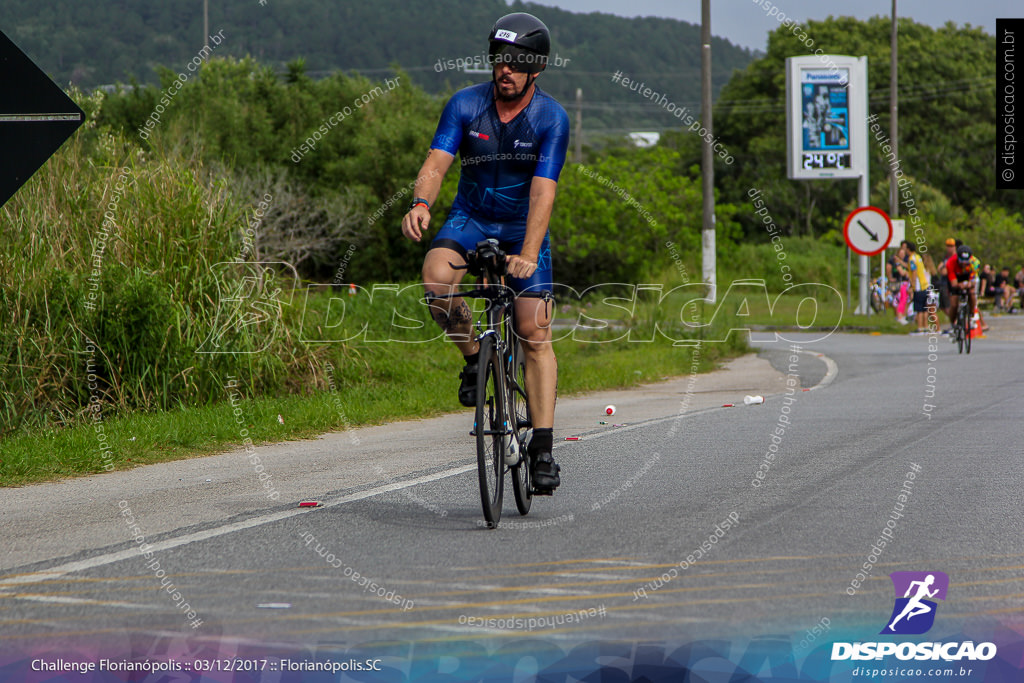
column 500, row 309
column 498, row 344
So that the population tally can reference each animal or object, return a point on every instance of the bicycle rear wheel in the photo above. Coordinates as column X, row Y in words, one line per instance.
column 968, row 329
column 490, row 430
column 519, row 413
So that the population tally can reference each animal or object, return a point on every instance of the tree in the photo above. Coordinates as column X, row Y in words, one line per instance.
column 614, row 217
column 947, row 119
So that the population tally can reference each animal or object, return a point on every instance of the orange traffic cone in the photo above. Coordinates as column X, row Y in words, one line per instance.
column 976, row 326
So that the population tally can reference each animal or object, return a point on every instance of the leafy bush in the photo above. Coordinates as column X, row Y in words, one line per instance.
column 613, row 218
column 107, row 267
column 810, row 261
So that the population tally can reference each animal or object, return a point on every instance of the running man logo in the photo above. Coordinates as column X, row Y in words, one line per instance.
column 913, row 613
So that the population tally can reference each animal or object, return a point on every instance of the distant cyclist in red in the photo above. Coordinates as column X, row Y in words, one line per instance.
column 962, row 271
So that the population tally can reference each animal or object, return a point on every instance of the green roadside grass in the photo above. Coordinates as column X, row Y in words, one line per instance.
column 741, row 305
column 365, row 383
column 790, row 312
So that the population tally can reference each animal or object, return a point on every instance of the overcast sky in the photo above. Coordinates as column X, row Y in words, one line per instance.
column 745, row 23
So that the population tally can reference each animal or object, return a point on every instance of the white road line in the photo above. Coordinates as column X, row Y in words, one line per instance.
column 598, row 577
column 831, row 370
column 110, row 558
column 73, row 601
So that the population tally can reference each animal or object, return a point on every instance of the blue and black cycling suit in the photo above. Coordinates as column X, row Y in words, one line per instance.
column 499, row 162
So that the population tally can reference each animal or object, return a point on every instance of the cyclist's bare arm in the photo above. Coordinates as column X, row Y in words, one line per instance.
column 428, row 186
column 542, row 199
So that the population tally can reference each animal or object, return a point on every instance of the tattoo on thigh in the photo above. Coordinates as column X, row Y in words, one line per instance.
column 441, row 318
column 461, row 315
column 449, row 322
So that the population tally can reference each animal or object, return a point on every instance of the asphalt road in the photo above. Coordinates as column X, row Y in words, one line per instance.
column 636, row 501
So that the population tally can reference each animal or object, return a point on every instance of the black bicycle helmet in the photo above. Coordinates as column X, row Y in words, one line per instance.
column 522, row 40
column 963, row 254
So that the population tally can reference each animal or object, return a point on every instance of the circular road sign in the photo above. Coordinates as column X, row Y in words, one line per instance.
column 868, row 230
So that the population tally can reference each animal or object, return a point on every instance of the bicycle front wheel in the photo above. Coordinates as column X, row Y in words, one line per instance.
column 491, row 429
column 958, row 330
column 519, row 412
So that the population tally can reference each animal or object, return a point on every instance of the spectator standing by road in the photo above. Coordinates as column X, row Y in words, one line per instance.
column 898, row 274
column 919, row 280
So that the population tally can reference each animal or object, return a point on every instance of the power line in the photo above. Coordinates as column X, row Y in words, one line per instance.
column 918, row 94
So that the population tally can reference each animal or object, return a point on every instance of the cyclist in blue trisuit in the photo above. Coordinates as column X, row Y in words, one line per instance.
column 512, row 138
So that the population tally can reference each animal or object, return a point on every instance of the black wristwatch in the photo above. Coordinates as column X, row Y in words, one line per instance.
column 419, row 200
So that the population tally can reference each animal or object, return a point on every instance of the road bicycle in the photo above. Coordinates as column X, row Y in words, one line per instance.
column 964, row 323
column 502, row 426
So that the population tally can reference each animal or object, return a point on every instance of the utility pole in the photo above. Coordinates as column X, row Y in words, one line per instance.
column 894, row 203
column 579, row 125
column 894, row 200
column 707, row 161
column 206, row 22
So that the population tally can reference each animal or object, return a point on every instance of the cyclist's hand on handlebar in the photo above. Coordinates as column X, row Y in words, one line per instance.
column 519, row 267
column 415, row 223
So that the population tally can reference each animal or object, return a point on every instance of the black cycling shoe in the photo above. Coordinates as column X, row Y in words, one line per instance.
column 467, row 390
column 544, row 474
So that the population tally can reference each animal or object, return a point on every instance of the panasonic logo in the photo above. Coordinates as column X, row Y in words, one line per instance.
column 827, row 78
column 949, row 652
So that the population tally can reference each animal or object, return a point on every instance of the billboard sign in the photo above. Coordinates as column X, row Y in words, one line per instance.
column 826, row 111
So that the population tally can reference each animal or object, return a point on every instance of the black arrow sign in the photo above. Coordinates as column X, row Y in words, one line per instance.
column 874, row 236
column 36, row 117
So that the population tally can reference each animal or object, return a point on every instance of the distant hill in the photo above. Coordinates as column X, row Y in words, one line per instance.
column 107, row 41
